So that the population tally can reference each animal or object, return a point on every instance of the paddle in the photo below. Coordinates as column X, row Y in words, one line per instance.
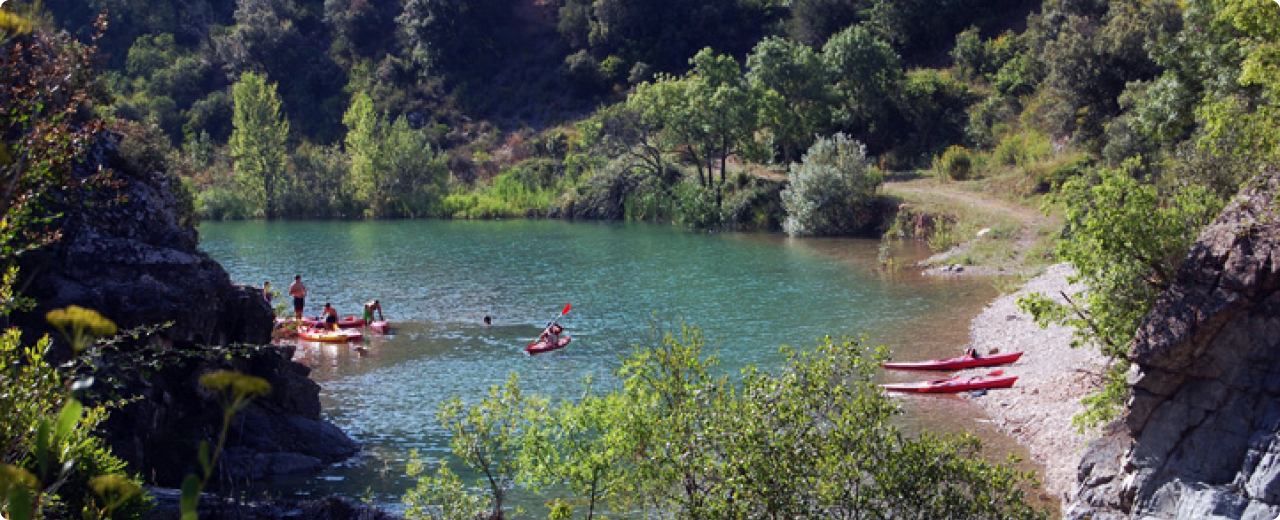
column 562, row 313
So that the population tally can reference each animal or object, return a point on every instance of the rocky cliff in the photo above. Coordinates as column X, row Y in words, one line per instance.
column 1201, row 437
column 129, row 251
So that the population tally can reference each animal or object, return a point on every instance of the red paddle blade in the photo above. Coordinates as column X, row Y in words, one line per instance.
column 566, row 310
column 996, row 373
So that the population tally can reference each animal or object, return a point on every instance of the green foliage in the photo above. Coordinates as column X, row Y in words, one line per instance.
column 1246, row 120
column 865, row 71
column 258, row 141
column 956, row 163
column 796, row 93
column 394, row 170
column 815, row 440
column 832, row 189
column 441, row 497
column 1089, row 57
column 1126, row 242
column 935, row 105
column 51, row 464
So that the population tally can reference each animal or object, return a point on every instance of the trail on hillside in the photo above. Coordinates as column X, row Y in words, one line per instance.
column 1031, row 222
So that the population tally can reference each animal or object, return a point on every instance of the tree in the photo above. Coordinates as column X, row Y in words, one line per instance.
column 1245, row 116
column 814, row 440
column 832, row 189
column 258, row 140
column 487, row 437
column 865, row 71
column 706, row 116
column 797, row 96
column 393, row 167
column 1126, row 242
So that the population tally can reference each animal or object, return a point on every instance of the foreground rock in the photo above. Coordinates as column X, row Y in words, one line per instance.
column 130, row 252
column 1201, row 437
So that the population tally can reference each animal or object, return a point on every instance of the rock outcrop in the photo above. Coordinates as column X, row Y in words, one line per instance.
column 1201, row 436
column 129, row 251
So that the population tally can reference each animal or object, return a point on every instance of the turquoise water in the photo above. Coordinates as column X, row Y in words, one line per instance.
column 750, row 293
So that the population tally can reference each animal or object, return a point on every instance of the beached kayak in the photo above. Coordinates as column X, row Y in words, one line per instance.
column 329, row 335
column 957, row 363
column 952, row 385
column 539, row 347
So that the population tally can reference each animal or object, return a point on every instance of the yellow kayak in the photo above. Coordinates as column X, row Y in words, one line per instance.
column 329, row 335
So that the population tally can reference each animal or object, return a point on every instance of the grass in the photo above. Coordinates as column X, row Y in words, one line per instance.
column 1019, row 238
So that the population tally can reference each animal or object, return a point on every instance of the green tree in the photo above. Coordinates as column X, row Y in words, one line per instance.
column 796, row 92
column 865, row 71
column 576, row 446
column 488, row 438
column 706, row 116
column 393, row 166
column 832, row 189
column 1126, row 242
column 1246, row 119
column 258, row 140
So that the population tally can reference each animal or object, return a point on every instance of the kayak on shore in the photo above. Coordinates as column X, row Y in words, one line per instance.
column 541, row 346
column 952, row 385
column 956, row 363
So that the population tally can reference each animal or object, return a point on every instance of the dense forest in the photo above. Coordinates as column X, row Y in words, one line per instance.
column 1137, row 119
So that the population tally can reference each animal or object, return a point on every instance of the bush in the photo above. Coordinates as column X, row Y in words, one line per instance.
column 832, row 189
column 956, row 163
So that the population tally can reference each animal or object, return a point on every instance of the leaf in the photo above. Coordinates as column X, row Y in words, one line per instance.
column 204, row 457
column 70, row 415
column 190, row 497
column 19, row 503
column 41, row 450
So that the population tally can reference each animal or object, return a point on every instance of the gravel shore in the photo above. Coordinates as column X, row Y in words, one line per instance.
column 1052, row 378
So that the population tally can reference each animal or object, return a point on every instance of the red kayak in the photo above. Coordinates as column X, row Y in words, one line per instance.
column 541, row 346
column 957, row 363
column 349, row 322
column 952, row 385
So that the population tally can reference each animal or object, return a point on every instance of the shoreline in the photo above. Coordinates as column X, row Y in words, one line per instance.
column 1052, row 379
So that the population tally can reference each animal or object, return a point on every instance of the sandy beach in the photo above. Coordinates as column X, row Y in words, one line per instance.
column 1052, row 378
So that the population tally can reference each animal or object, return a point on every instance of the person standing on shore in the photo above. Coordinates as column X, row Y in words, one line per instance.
column 299, row 293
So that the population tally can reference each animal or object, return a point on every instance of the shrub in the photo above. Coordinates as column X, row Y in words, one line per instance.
column 832, row 189
column 956, row 163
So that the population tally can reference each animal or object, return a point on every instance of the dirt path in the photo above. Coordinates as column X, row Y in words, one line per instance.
column 1031, row 225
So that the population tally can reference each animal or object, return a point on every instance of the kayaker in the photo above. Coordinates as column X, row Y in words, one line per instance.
column 369, row 307
column 488, row 320
column 299, row 294
column 330, row 316
column 972, row 352
column 551, row 334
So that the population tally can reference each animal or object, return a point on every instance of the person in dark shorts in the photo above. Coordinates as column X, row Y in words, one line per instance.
column 330, row 316
column 299, row 293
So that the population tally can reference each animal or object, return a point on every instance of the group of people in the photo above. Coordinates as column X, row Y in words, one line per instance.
column 298, row 291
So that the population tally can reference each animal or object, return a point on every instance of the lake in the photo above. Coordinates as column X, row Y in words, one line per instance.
column 749, row 293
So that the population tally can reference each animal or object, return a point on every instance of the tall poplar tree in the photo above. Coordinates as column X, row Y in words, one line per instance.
column 258, row 140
